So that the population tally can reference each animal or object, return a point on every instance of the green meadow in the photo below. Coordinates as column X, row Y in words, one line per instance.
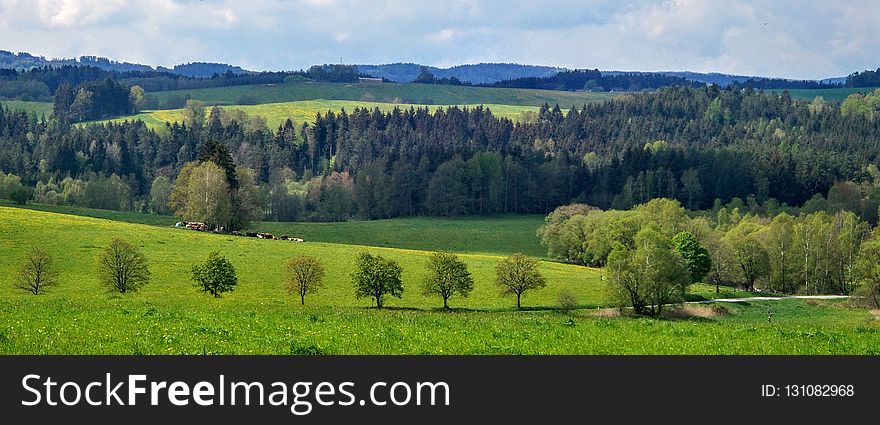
column 830, row 95
column 304, row 111
column 423, row 94
column 169, row 316
column 39, row 108
column 500, row 235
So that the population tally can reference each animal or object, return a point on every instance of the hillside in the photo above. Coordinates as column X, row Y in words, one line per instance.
column 39, row 108
column 76, row 241
column 427, row 94
column 168, row 316
column 497, row 235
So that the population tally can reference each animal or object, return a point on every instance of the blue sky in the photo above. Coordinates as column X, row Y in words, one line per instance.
column 795, row 39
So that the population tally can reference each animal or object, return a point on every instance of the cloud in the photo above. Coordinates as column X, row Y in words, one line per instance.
column 800, row 39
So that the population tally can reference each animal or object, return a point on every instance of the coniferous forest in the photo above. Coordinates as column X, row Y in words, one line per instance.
column 702, row 146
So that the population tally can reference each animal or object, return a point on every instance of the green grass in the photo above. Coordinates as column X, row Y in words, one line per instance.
column 830, row 95
column 384, row 92
column 702, row 292
column 304, row 111
column 39, row 108
column 76, row 241
column 501, row 235
column 168, row 315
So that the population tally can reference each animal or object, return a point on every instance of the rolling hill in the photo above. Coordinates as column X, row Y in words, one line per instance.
column 169, row 316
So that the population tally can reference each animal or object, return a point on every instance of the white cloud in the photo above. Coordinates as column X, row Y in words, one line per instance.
column 803, row 39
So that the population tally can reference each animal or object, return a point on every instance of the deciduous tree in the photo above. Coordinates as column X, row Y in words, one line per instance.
column 375, row 277
column 122, row 267
column 303, row 275
column 215, row 276
column 37, row 272
column 447, row 276
column 517, row 274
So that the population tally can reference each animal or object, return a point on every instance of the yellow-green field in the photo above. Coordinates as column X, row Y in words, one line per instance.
column 169, row 316
column 431, row 94
column 304, row 111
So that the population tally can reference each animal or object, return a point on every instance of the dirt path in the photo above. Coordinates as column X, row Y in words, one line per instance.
column 790, row 297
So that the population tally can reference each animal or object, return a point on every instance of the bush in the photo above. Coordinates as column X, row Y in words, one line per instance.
column 566, row 300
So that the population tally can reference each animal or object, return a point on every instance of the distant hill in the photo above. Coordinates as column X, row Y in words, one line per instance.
column 196, row 69
column 27, row 61
column 482, row 73
column 204, row 69
column 722, row 80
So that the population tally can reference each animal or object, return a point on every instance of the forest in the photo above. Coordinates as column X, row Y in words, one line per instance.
column 702, row 146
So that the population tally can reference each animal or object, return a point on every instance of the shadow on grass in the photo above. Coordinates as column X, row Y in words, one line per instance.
column 513, row 309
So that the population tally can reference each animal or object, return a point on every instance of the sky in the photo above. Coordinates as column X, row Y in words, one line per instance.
column 806, row 39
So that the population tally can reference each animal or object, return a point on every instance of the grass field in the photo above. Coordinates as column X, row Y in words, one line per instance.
column 40, row 108
column 383, row 92
column 830, row 95
column 305, row 110
column 500, row 235
column 169, row 316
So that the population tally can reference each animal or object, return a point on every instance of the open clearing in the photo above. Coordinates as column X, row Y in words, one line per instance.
column 304, row 111
column 830, row 95
column 431, row 94
column 169, row 316
column 39, row 108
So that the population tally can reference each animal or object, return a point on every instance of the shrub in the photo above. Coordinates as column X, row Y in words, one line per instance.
column 566, row 300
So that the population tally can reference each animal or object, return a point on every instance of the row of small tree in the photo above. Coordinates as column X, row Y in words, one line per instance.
column 377, row 277
column 123, row 268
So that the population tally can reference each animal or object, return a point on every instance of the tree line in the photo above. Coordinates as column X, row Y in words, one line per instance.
column 595, row 80
column 654, row 251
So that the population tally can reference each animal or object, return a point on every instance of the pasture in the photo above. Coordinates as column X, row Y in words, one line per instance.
column 501, row 235
column 169, row 316
column 304, row 111
column 830, row 95
column 38, row 108
column 423, row 94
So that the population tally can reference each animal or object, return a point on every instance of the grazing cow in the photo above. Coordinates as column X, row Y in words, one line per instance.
column 297, row 239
